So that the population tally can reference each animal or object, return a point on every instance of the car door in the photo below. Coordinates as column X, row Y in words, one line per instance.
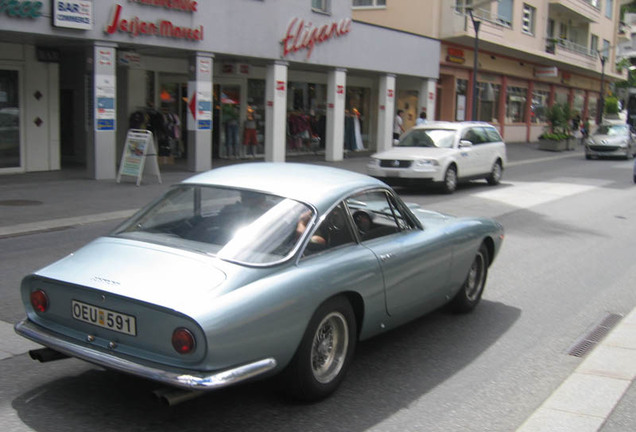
column 487, row 150
column 466, row 158
column 415, row 263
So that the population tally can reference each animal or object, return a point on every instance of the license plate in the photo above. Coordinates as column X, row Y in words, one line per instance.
column 105, row 318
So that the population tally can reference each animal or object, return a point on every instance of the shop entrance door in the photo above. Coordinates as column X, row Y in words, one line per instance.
column 228, row 100
column 10, row 150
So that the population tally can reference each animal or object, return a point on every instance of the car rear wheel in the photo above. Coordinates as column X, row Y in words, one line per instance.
column 450, row 180
column 495, row 174
column 470, row 293
column 324, row 353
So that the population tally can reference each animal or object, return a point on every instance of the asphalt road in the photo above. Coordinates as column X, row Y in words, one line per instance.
column 568, row 260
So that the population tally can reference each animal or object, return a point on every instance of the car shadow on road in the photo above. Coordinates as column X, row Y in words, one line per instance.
column 389, row 373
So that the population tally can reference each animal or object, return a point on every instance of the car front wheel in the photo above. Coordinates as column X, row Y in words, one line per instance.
column 450, row 180
column 324, row 353
column 470, row 293
column 495, row 174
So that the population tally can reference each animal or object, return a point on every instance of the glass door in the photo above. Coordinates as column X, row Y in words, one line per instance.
column 10, row 154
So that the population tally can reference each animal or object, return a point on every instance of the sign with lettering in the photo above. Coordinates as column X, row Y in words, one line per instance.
column 301, row 35
column 76, row 14
column 136, row 27
column 21, row 8
column 139, row 146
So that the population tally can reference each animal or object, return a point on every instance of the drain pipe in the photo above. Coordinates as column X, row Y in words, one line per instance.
column 172, row 396
column 45, row 355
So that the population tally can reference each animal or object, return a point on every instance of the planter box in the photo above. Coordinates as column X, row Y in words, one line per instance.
column 556, row 145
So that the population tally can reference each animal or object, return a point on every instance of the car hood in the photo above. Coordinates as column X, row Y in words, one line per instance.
column 414, row 153
column 150, row 273
column 608, row 140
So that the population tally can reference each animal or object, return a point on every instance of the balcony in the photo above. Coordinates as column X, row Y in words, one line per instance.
column 570, row 52
column 584, row 10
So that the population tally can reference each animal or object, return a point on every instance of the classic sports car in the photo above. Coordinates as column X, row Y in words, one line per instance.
column 255, row 269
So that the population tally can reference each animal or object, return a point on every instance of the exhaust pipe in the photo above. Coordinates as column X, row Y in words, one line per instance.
column 44, row 355
column 172, row 396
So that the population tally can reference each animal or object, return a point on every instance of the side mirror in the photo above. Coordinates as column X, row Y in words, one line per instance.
column 465, row 143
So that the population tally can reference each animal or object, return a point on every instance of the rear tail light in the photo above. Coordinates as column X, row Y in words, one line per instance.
column 39, row 301
column 183, row 341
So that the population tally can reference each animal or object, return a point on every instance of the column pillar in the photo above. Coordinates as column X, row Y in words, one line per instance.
column 276, row 112
column 336, row 85
column 427, row 97
column 102, row 163
column 200, row 112
column 386, row 114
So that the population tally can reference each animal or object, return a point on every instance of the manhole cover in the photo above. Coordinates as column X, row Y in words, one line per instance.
column 19, row 203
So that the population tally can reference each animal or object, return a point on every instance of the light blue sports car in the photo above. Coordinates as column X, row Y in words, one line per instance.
column 253, row 270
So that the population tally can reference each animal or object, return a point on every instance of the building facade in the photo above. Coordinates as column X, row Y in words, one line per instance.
column 530, row 54
column 211, row 79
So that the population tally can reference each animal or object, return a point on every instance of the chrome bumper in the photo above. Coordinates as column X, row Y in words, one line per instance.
column 185, row 379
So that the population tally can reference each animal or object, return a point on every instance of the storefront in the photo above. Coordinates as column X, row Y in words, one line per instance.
column 212, row 79
column 513, row 95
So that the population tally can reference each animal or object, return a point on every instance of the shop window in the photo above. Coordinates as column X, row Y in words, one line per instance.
column 539, row 106
column 306, row 116
column 357, row 120
column 516, row 104
column 561, row 97
column 369, row 3
column 9, row 119
column 592, row 106
column 460, row 106
column 578, row 102
column 255, row 115
column 488, row 102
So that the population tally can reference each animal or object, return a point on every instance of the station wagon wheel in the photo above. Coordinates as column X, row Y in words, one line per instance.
column 450, row 180
column 324, row 353
column 470, row 293
column 495, row 174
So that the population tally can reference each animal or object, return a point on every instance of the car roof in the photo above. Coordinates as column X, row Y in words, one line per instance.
column 317, row 185
column 451, row 125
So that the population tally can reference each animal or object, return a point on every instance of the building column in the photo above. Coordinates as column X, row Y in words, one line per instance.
column 200, row 112
column 276, row 112
column 427, row 98
column 336, row 82
column 102, row 163
column 386, row 114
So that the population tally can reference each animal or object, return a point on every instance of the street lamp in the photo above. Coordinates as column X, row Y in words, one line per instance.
column 476, row 25
column 601, row 101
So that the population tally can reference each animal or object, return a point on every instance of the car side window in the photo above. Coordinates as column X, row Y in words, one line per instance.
column 481, row 136
column 493, row 135
column 333, row 231
column 375, row 214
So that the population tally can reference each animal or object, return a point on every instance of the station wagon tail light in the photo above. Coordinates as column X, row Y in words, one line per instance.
column 39, row 301
column 183, row 341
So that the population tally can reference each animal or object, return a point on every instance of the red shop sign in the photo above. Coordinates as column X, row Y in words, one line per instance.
column 301, row 35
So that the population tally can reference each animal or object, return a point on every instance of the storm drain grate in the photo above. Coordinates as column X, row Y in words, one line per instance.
column 586, row 343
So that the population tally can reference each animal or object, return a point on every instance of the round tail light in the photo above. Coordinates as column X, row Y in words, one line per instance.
column 39, row 301
column 183, row 341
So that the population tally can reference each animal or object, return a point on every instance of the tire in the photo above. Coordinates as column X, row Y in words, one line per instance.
column 494, row 178
column 470, row 293
column 449, row 185
column 325, row 352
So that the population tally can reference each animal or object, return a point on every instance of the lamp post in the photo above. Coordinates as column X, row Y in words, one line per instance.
column 476, row 25
column 601, row 101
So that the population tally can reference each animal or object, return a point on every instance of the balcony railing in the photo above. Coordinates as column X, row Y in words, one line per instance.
column 564, row 44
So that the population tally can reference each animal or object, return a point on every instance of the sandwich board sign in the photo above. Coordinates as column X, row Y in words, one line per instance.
column 139, row 146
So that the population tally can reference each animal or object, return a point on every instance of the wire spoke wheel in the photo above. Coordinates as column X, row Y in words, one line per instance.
column 329, row 347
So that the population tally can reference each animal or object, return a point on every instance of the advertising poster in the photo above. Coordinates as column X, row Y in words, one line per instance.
column 76, row 14
column 104, row 102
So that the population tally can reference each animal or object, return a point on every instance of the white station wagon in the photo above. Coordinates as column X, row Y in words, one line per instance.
column 442, row 152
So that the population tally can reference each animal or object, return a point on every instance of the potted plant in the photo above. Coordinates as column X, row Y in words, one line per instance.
column 558, row 134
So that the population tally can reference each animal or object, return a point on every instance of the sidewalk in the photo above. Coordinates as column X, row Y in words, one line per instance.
column 36, row 202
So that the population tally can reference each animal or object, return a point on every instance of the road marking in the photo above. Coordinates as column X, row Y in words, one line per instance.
column 530, row 194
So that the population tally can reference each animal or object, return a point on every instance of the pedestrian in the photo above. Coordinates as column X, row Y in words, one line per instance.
column 398, row 124
column 585, row 130
column 421, row 119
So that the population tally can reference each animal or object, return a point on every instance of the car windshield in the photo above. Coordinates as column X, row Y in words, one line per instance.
column 612, row 130
column 235, row 225
column 441, row 138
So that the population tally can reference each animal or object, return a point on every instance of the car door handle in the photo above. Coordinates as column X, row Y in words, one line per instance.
column 386, row 257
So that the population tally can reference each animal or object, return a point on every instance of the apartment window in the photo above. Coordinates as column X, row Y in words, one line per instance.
column 609, row 8
column 369, row 3
column 462, row 6
column 321, row 5
column 594, row 45
column 527, row 22
column 606, row 48
column 504, row 12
